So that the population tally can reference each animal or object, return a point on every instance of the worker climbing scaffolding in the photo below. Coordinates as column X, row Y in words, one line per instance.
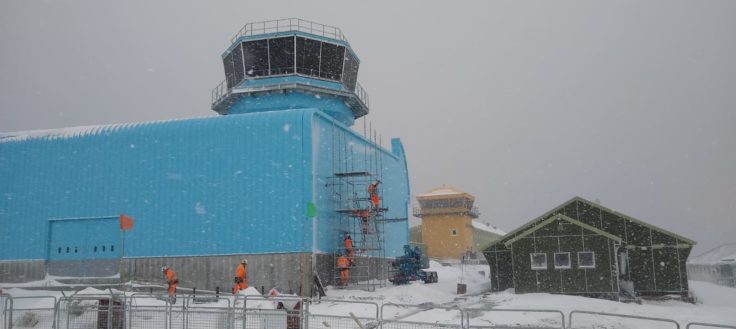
column 373, row 192
column 364, row 215
column 358, row 205
column 349, row 248
column 343, row 264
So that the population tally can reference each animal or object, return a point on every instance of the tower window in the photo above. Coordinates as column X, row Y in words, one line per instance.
column 112, row 248
column 59, row 249
column 95, row 248
column 67, row 250
column 103, row 248
column 453, row 232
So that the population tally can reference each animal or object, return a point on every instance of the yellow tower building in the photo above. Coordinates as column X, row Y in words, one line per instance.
column 447, row 229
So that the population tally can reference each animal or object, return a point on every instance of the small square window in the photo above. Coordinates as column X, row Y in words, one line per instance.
column 586, row 259
column 453, row 232
column 562, row 260
column 539, row 261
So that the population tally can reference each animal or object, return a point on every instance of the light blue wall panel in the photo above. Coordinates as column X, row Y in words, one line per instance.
column 219, row 185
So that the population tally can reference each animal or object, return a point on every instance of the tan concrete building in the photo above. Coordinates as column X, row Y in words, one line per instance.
column 448, row 228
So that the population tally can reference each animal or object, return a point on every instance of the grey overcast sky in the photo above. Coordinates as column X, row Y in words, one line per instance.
column 524, row 104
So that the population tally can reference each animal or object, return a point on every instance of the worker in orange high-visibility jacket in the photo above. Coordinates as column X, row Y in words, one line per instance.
column 349, row 247
column 343, row 264
column 373, row 191
column 172, row 281
column 241, row 276
column 364, row 215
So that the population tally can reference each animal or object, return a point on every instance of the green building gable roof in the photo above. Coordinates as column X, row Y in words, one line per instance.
column 563, row 217
column 549, row 216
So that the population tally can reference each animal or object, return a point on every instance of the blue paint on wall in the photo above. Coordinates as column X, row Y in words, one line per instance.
column 330, row 105
column 208, row 186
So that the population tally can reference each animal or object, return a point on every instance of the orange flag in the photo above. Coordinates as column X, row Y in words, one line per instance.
column 126, row 222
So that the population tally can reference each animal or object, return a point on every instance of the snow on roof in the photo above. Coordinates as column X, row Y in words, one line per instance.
column 69, row 132
column 488, row 228
column 725, row 254
column 442, row 190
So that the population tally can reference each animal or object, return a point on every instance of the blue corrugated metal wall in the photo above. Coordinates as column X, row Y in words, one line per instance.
column 220, row 185
column 338, row 149
column 217, row 185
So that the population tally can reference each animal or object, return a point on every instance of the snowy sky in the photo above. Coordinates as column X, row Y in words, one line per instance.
column 523, row 104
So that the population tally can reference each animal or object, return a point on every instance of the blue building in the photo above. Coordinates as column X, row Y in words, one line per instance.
column 277, row 178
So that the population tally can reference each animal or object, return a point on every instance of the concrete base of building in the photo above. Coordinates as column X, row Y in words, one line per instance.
column 287, row 272
column 22, row 271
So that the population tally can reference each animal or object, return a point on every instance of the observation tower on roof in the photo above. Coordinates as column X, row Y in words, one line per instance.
column 291, row 64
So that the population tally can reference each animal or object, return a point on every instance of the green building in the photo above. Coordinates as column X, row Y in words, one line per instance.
column 583, row 248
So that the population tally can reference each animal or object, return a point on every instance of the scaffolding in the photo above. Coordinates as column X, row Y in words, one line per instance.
column 359, row 212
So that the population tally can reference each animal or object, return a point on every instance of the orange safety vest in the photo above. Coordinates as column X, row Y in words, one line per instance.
column 373, row 191
column 348, row 243
column 343, row 263
column 241, row 271
column 171, row 278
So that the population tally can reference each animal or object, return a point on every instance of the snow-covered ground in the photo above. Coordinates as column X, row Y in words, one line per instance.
column 715, row 304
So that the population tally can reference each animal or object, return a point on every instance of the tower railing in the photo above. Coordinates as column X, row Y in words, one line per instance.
column 472, row 211
column 221, row 91
column 289, row 24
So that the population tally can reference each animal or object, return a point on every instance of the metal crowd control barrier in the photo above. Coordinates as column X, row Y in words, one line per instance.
column 147, row 311
column 469, row 323
column 421, row 308
column 33, row 317
column 708, row 325
column 251, row 312
column 625, row 316
column 367, row 315
column 206, row 311
column 78, row 312
column 6, row 317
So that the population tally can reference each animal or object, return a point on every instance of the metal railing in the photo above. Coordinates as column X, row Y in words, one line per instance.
column 708, row 325
column 221, row 91
column 34, row 317
column 472, row 211
column 469, row 312
column 624, row 316
column 365, row 313
column 417, row 310
column 289, row 24
column 6, row 313
column 144, row 311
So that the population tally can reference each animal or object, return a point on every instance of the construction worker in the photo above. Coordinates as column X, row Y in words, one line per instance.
column 349, row 248
column 241, row 276
column 172, row 280
column 373, row 191
column 344, row 266
column 364, row 215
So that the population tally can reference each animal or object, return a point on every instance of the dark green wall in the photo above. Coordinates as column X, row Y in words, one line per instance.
column 556, row 237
